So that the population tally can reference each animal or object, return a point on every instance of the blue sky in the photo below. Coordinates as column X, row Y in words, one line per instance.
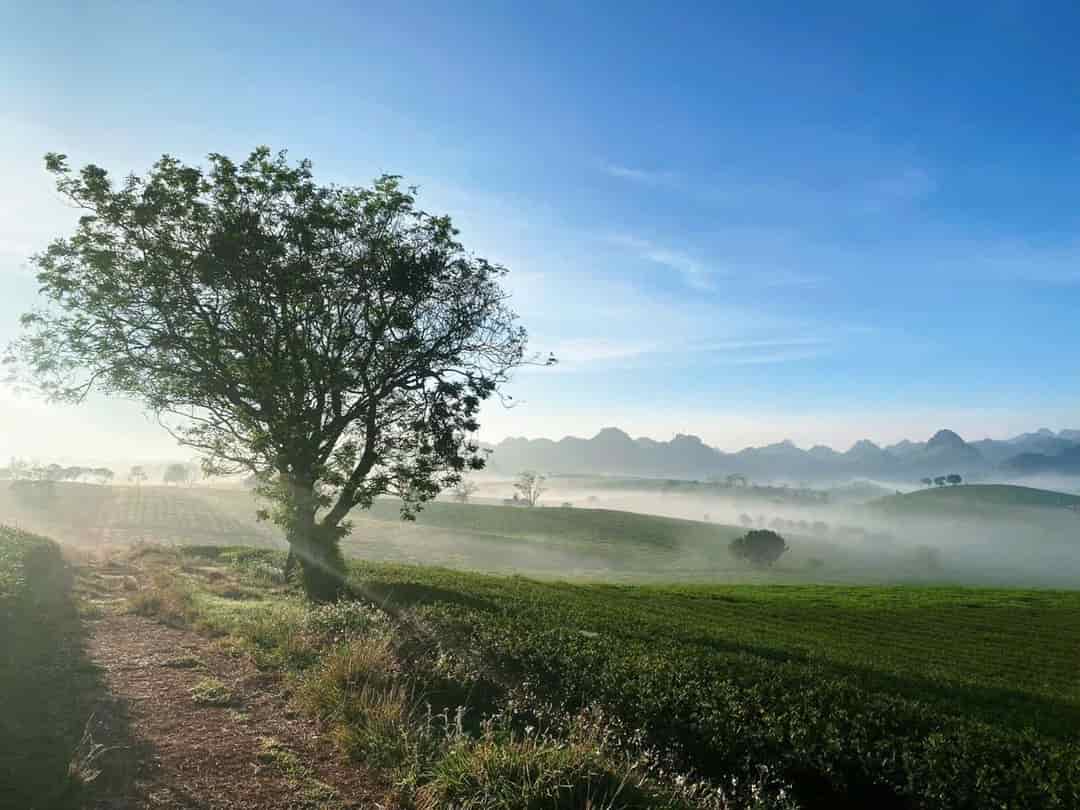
column 733, row 220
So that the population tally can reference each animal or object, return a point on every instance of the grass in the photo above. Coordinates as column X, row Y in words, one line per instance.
column 49, row 754
column 466, row 687
column 975, row 498
column 212, row 692
column 314, row 792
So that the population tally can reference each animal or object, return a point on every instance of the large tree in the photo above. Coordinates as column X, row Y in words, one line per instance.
column 336, row 342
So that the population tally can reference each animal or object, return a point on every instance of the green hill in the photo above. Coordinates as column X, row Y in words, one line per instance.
column 975, row 498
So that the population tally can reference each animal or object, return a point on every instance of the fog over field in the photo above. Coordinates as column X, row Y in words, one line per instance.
column 599, row 528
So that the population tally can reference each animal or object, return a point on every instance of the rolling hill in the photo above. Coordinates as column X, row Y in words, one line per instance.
column 584, row 544
column 975, row 498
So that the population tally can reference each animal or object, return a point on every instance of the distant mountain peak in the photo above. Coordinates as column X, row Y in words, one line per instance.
column 687, row 438
column 945, row 438
column 864, row 446
column 613, row 433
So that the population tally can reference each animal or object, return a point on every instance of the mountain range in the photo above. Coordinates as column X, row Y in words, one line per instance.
column 613, row 452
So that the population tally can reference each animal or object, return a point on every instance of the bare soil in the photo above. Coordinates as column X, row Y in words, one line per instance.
column 168, row 750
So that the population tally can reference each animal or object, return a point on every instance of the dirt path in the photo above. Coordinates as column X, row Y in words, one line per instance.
column 175, row 751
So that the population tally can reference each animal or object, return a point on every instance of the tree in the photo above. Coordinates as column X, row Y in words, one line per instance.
column 137, row 475
column 464, row 490
column 529, row 486
column 103, row 475
column 940, row 480
column 176, row 474
column 926, row 482
column 337, row 342
column 736, row 480
column 954, row 479
column 759, row 546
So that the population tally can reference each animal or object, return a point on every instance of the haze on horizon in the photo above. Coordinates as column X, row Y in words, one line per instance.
column 856, row 224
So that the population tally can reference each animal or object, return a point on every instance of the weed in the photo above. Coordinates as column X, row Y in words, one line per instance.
column 212, row 692
column 327, row 690
column 82, row 768
column 167, row 599
column 184, row 662
column 521, row 774
column 273, row 754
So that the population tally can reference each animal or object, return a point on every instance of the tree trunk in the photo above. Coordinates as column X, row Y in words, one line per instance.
column 322, row 565
column 316, row 550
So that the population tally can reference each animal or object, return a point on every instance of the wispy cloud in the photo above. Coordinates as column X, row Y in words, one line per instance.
column 694, row 272
column 587, row 354
column 857, row 189
column 643, row 176
column 703, row 276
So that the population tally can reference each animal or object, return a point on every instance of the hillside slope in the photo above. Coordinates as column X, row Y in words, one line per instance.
column 975, row 498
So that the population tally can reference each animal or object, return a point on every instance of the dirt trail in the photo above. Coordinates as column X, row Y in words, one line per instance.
column 175, row 752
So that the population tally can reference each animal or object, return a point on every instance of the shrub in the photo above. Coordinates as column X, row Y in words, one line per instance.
column 275, row 635
column 212, row 692
column 167, row 599
column 328, row 689
column 759, row 546
column 344, row 620
column 381, row 725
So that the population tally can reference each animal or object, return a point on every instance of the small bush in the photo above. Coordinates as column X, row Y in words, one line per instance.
column 358, row 689
column 167, row 599
column 381, row 726
column 328, row 689
column 522, row 774
column 276, row 637
column 212, row 692
column 344, row 620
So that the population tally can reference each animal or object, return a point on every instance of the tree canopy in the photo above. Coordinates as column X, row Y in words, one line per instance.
column 336, row 342
column 759, row 546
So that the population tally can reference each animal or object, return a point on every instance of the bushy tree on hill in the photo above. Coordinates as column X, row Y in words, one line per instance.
column 336, row 342
column 759, row 546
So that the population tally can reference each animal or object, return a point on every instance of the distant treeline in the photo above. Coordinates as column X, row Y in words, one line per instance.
column 731, row 485
column 19, row 470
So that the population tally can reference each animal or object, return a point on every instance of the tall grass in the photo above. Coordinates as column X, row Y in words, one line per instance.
column 47, row 753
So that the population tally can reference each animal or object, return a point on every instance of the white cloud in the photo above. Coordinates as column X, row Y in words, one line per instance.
column 643, row 176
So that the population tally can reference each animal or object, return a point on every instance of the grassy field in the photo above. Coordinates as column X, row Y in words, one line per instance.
column 1010, row 657
column 975, row 498
column 848, row 696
